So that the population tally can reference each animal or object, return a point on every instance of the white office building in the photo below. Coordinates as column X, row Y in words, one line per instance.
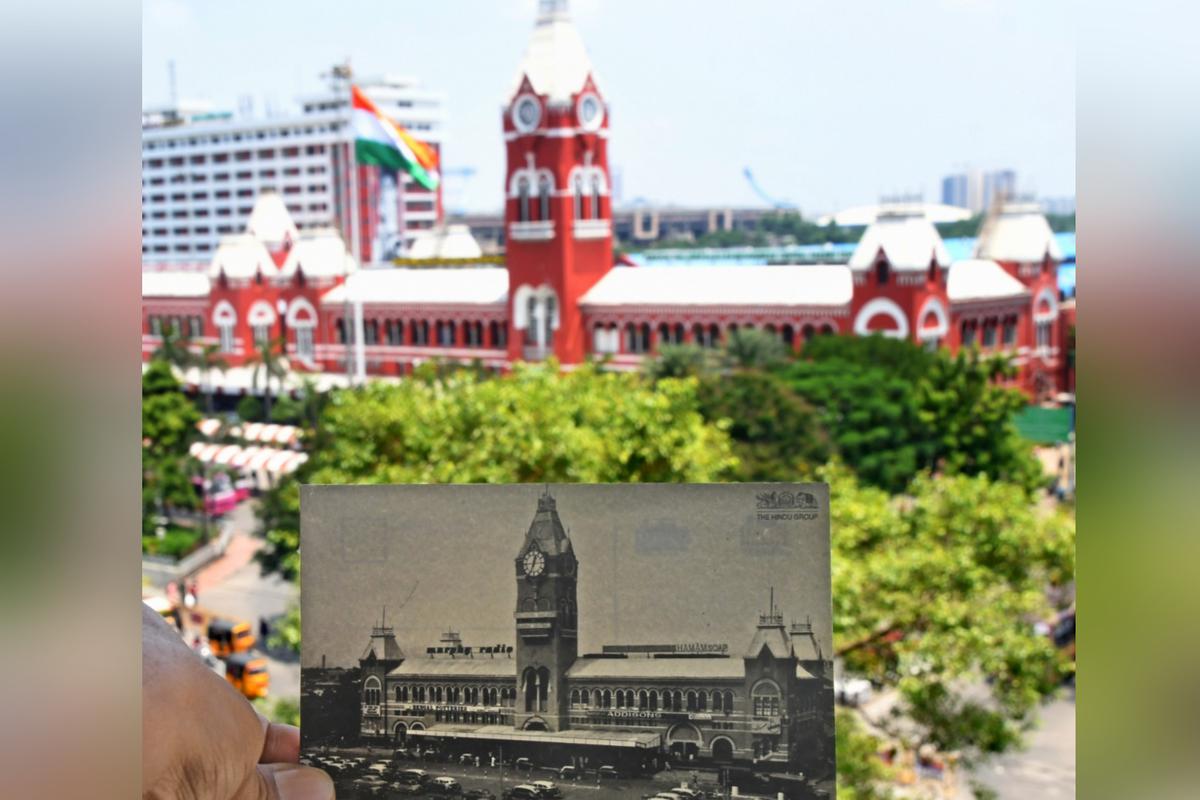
column 203, row 169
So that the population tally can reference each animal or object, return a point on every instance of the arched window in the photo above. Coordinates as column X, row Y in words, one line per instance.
column 574, row 697
column 691, row 701
column 808, row 332
column 607, row 698
column 968, row 333
column 597, row 699
column 728, row 702
column 664, row 334
column 544, row 191
column 989, row 332
column 701, row 701
column 677, row 700
column 340, row 330
column 523, row 199
column 620, row 699
column 398, row 693
column 595, row 197
column 789, row 336
column 881, row 273
column 716, row 701
column 1009, row 334
column 577, row 196
column 826, row 329
column 371, row 332
column 653, row 700
column 765, row 697
column 372, row 692
column 643, row 700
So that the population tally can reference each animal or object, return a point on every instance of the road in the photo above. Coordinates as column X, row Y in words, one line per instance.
column 1046, row 768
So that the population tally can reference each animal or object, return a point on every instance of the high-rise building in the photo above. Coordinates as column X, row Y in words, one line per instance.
column 978, row 189
column 203, row 169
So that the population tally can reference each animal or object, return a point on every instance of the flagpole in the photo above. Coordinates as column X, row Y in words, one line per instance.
column 348, row 331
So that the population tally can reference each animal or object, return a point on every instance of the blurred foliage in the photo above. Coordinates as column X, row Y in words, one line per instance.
column 176, row 542
column 861, row 775
column 777, row 435
column 282, row 710
column 285, row 632
column 892, row 409
column 936, row 592
column 751, row 348
column 168, row 428
column 534, row 425
column 776, row 228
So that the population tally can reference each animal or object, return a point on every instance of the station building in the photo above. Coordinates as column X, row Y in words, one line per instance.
column 559, row 290
column 767, row 701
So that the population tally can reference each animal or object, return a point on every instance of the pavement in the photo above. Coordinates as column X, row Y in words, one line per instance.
column 234, row 586
column 1046, row 767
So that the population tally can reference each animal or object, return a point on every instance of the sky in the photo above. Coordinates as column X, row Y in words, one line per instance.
column 831, row 104
column 658, row 564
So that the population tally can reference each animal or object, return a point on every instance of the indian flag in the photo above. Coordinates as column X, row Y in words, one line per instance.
column 379, row 140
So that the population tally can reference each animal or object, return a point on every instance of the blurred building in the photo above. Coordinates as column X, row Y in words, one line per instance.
column 977, row 189
column 558, row 290
column 202, row 171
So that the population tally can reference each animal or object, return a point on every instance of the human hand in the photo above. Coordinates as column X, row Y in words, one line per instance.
column 202, row 739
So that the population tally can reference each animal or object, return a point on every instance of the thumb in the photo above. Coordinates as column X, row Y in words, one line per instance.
column 286, row 782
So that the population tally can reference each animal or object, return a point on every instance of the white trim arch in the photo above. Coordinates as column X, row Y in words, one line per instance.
column 260, row 313
column 535, row 176
column 889, row 309
column 301, row 305
column 933, row 306
column 588, row 174
column 224, row 314
column 540, row 294
column 1051, row 299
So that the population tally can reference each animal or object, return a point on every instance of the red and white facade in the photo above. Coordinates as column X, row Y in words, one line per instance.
column 560, row 293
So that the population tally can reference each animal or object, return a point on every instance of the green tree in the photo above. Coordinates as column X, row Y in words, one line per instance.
column 751, row 348
column 935, row 593
column 860, row 773
column 174, row 348
column 777, row 435
column 209, row 361
column 678, row 361
column 533, row 425
column 268, row 362
column 168, row 429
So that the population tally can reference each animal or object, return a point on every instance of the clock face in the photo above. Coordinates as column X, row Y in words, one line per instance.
column 527, row 113
column 590, row 112
column 534, row 562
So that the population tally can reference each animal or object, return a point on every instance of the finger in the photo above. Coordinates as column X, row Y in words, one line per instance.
column 280, row 745
column 286, row 782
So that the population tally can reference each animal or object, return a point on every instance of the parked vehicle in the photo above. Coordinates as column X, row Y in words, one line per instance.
column 523, row 765
column 688, row 794
column 568, row 773
column 444, row 785
column 417, row 776
column 547, row 788
column 400, row 787
column 607, row 772
column 522, row 791
column 370, row 785
column 248, row 674
column 226, row 637
column 478, row 794
column 466, row 758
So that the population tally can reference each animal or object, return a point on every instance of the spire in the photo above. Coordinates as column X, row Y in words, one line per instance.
column 551, row 10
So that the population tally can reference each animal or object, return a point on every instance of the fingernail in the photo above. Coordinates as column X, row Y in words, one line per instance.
column 303, row 783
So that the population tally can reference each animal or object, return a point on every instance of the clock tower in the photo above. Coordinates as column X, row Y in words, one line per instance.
column 546, row 616
column 558, row 206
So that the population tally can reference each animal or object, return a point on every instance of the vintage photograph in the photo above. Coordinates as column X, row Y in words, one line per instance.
column 530, row 641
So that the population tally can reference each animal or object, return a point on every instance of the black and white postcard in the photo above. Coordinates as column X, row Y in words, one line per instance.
column 540, row 641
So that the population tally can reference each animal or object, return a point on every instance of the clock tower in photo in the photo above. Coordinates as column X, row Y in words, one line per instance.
column 558, row 207
column 547, row 621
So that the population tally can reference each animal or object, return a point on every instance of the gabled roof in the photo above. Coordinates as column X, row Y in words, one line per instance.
column 547, row 529
column 320, row 253
column 1019, row 232
column 555, row 61
column 270, row 221
column 656, row 668
column 772, row 637
column 382, row 648
column 906, row 237
column 450, row 241
column 723, row 285
column 981, row 279
column 242, row 256
column 434, row 286
column 175, row 284
column 457, row 667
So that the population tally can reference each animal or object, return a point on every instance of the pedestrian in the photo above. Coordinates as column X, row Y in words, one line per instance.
column 264, row 631
column 194, row 590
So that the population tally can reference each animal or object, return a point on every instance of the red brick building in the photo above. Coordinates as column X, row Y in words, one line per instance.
column 559, row 291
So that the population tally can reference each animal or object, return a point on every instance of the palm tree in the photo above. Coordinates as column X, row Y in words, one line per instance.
column 268, row 360
column 210, row 359
column 175, row 348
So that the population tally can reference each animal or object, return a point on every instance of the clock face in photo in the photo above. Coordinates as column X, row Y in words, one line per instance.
column 534, row 563
column 590, row 112
column 527, row 113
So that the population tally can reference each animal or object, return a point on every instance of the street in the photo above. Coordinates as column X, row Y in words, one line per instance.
column 1044, row 769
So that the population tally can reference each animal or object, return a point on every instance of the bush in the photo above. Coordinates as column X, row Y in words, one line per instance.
column 177, row 543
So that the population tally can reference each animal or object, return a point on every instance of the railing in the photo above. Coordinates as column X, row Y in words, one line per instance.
column 536, row 231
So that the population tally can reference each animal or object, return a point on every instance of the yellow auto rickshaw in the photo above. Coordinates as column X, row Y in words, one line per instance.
column 248, row 674
column 226, row 637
